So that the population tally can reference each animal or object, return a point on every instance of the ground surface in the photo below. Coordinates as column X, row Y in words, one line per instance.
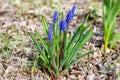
column 17, row 18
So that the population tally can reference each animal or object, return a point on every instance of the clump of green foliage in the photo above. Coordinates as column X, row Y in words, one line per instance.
column 111, row 9
column 60, row 51
column 5, row 49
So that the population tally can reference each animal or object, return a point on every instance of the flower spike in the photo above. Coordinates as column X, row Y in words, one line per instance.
column 55, row 16
column 62, row 25
column 70, row 14
column 50, row 32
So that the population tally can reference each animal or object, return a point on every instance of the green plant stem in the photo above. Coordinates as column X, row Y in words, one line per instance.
column 67, row 28
column 35, row 63
column 106, row 42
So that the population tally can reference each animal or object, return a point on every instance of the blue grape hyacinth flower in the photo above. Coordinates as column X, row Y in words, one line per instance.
column 50, row 32
column 73, row 9
column 55, row 16
column 62, row 25
column 70, row 14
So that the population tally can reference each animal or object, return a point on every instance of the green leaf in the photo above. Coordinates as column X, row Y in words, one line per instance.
column 56, row 53
column 75, row 40
column 119, row 75
column 39, row 48
column 111, row 10
column 79, row 40
column 61, row 16
column 41, row 40
column 82, row 56
column 53, row 55
column 7, row 42
column 45, row 25
column 78, row 33
column 55, row 26
column 35, row 63
column 77, row 59
column 65, row 42
column 78, row 46
column 115, row 39
column 36, row 43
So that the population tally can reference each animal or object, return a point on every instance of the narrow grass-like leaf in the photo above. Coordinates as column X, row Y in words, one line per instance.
column 70, row 52
column 41, row 40
column 77, row 59
column 115, row 39
column 111, row 10
column 38, row 46
column 82, row 56
column 78, row 46
column 69, row 46
column 56, row 29
column 35, row 63
column 119, row 75
column 53, row 56
column 78, row 33
column 35, row 41
column 45, row 25
column 65, row 42
column 7, row 42
column 78, row 40
column 61, row 16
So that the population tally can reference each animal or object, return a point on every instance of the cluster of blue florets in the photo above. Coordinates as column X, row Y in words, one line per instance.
column 50, row 32
column 62, row 23
column 55, row 16
column 70, row 14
